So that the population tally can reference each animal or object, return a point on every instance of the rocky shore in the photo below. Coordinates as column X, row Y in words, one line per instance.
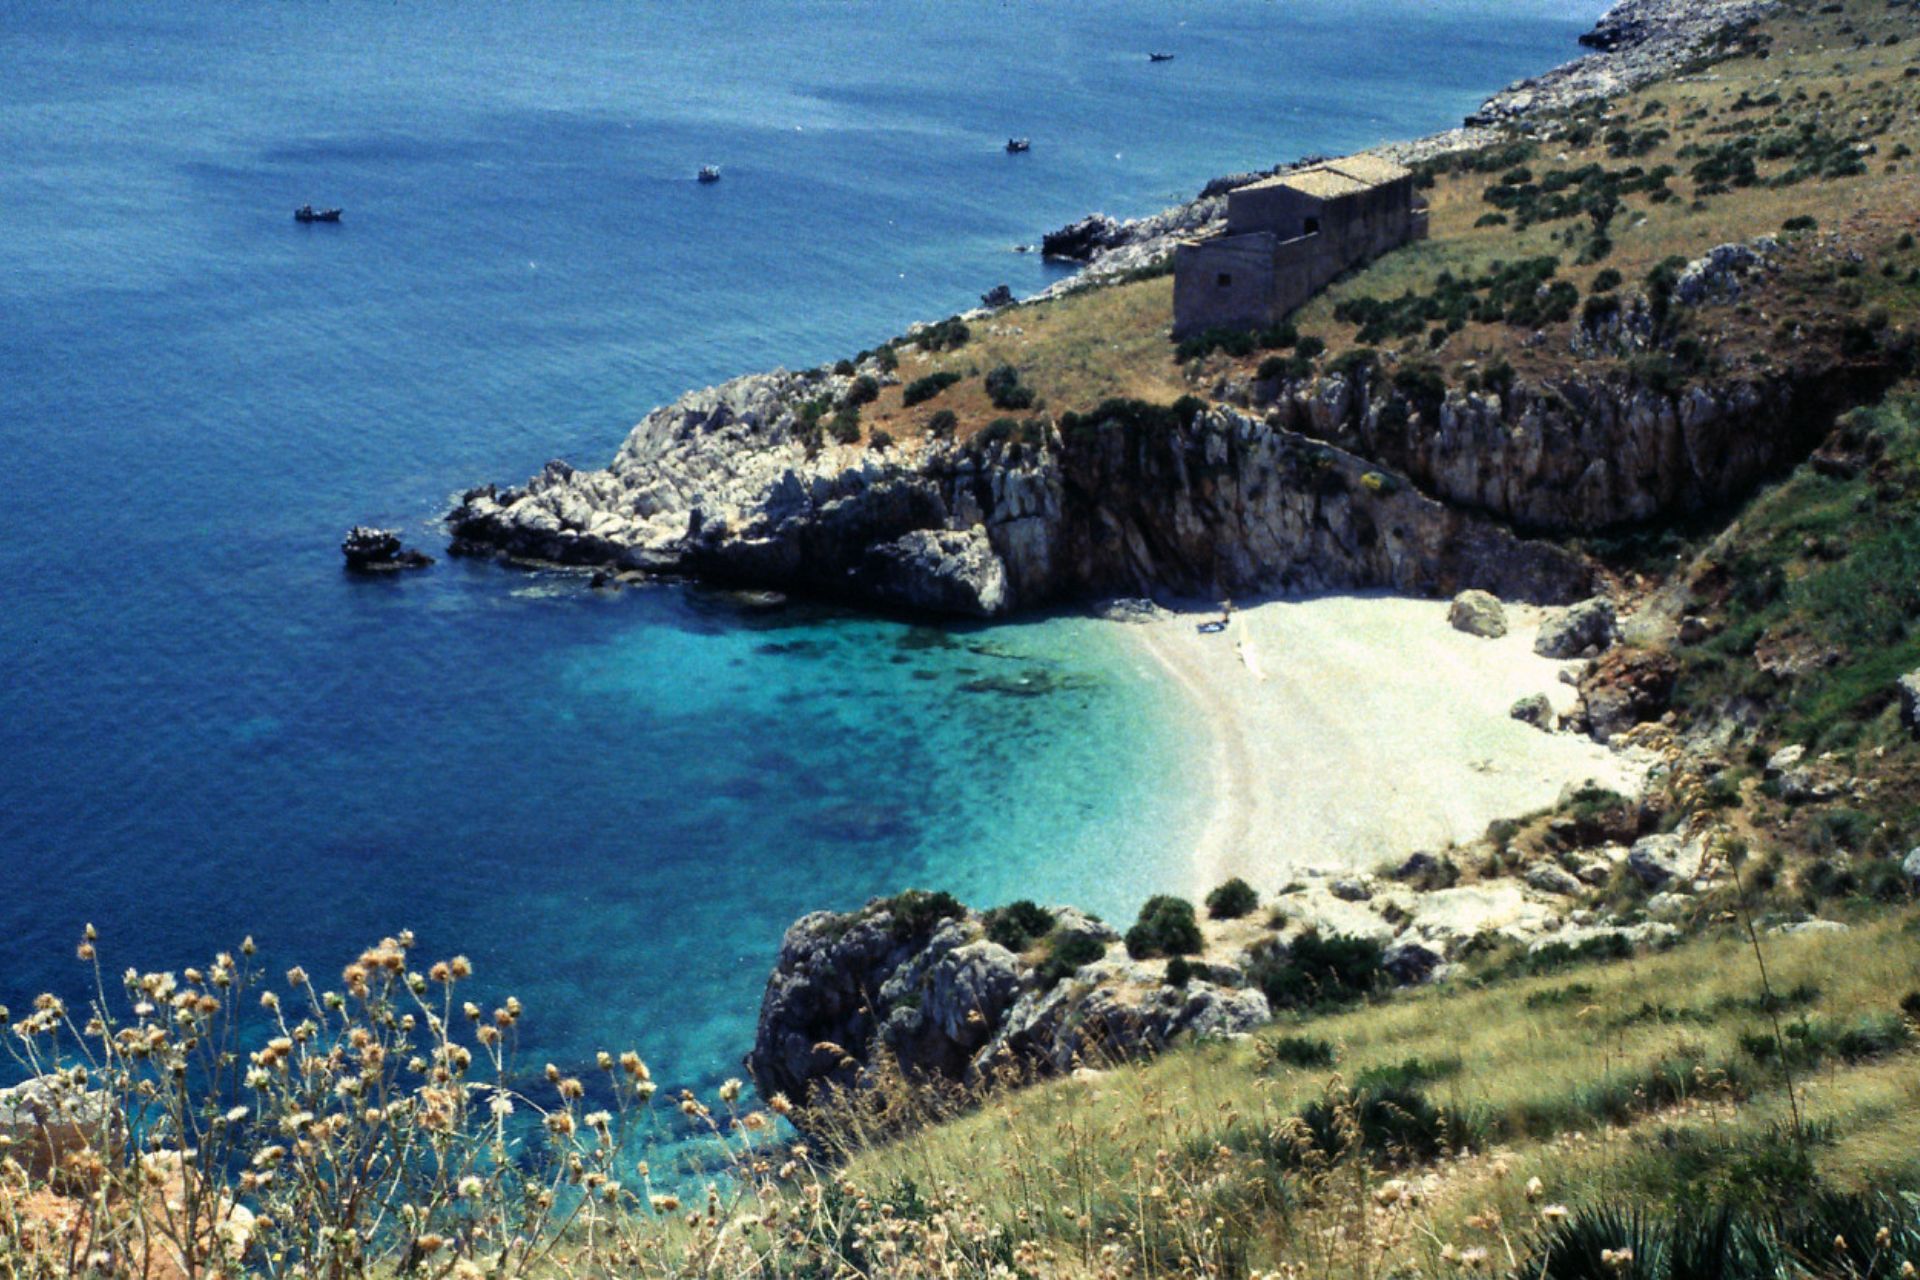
column 720, row 485
column 1634, row 43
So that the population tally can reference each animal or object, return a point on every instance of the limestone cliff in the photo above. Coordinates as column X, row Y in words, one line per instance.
column 720, row 484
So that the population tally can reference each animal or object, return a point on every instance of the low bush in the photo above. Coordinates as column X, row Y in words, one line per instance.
column 1408, row 1073
column 1016, row 925
column 864, row 389
column 1166, row 927
column 1292, row 1051
column 1318, row 972
column 917, row 912
column 943, row 424
column 1005, row 389
column 1065, row 953
column 921, row 390
column 946, row 335
column 1232, row 900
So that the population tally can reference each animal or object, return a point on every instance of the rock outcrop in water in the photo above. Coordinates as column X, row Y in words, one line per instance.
column 720, row 485
column 370, row 550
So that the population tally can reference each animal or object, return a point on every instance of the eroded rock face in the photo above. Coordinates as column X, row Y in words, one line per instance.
column 721, row 484
column 945, row 1003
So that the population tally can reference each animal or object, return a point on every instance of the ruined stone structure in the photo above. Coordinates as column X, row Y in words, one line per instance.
column 1287, row 236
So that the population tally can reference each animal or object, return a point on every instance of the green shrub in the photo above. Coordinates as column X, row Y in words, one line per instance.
column 1235, row 342
column 946, row 335
column 1805, row 222
column 1232, row 900
column 1409, row 1073
column 1394, row 1126
column 1294, row 368
column 1066, row 953
column 1292, row 1051
column 923, row 389
column 1318, row 971
column 915, row 912
column 1166, row 927
column 844, row 425
column 1357, row 364
column 844, row 368
column 1016, row 925
column 880, row 439
column 1140, row 416
column 942, row 424
column 1179, row 971
column 864, row 389
column 1005, row 389
column 1606, row 281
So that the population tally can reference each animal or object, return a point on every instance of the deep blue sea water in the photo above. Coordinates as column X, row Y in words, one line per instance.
column 614, row 805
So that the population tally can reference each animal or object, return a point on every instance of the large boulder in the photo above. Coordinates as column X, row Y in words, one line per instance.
column 1478, row 613
column 1534, row 709
column 1659, row 860
column 1550, row 877
column 1909, row 689
column 1624, row 688
column 1579, row 630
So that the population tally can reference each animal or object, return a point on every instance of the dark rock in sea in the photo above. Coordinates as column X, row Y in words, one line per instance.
column 370, row 550
column 1080, row 241
column 997, row 297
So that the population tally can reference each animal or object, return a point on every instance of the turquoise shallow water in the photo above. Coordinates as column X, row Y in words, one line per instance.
column 614, row 805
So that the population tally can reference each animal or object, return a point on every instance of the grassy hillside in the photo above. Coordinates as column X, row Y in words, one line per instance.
column 1804, row 128
column 1373, row 1142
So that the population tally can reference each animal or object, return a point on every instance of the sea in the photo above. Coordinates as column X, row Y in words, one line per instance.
column 614, row 804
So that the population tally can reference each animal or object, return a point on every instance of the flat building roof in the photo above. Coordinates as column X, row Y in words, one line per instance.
column 1335, row 178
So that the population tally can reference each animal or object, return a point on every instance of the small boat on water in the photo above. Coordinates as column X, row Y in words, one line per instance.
column 1016, row 145
column 709, row 173
column 307, row 213
column 1159, row 57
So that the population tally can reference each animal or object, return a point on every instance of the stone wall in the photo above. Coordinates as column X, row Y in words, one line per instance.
column 1228, row 280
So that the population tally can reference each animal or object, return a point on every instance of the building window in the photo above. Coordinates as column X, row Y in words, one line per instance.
column 1223, row 279
column 1313, row 227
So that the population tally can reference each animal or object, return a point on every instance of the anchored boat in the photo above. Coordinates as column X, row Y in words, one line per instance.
column 1016, row 145
column 307, row 213
column 709, row 173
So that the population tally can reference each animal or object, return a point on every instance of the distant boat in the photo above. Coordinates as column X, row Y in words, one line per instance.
column 1016, row 145
column 709, row 173
column 307, row 213
column 1159, row 57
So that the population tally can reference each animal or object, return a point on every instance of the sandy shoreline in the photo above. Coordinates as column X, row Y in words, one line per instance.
column 1349, row 730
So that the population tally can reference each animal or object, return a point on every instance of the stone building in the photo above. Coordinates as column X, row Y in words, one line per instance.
column 1287, row 237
